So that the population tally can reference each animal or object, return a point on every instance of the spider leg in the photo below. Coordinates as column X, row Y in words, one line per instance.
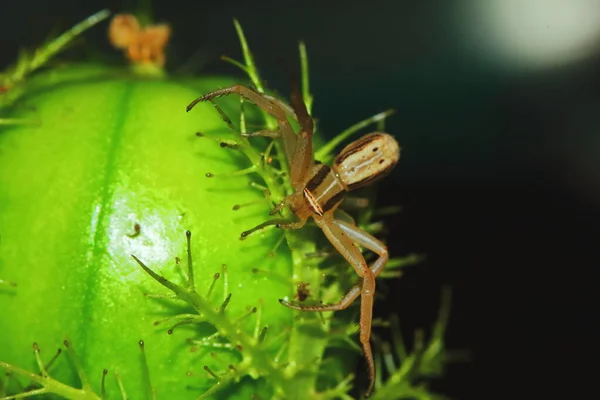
column 348, row 299
column 292, row 224
column 302, row 160
column 280, row 223
column 368, row 288
column 342, row 236
column 368, row 241
column 280, row 206
column 273, row 108
column 285, row 107
column 340, row 214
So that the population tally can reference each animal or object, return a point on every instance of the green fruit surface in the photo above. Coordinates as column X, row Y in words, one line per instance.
column 107, row 151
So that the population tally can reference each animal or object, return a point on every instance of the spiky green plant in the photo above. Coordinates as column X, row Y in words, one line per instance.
column 217, row 331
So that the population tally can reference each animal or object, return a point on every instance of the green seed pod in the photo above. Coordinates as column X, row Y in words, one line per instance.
column 111, row 154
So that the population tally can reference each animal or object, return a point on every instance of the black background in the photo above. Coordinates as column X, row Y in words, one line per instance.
column 489, row 189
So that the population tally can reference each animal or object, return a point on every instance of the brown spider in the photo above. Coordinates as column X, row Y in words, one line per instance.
column 319, row 190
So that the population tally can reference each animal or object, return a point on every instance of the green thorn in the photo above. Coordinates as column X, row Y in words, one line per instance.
column 27, row 64
column 248, row 58
column 306, row 95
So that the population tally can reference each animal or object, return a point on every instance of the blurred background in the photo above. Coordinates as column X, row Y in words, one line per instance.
column 498, row 117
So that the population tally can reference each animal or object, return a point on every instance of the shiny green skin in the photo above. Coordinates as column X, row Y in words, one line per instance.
column 112, row 150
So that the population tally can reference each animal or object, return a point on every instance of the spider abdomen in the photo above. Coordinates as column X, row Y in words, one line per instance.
column 366, row 160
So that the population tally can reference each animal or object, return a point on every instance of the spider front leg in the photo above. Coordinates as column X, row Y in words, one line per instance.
column 279, row 223
column 342, row 236
column 302, row 160
column 298, row 148
column 273, row 108
column 287, row 200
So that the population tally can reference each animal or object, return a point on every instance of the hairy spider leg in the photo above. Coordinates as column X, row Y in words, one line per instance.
column 298, row 148
column 290, row 138
column 302, row 164
column 273, row 134
column 342, row 236
column 284, row 106
column 280, row 223
column 342, row 215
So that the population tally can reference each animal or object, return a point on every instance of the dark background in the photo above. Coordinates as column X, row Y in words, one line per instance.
column 499, row 178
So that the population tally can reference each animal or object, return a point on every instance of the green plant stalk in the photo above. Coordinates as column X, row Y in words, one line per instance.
column 29, row 63
column 223, row 324
column 304, row 350
column 326, row 154
column 50, row 385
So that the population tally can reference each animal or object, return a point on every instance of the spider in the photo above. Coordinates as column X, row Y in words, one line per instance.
column 318, row 191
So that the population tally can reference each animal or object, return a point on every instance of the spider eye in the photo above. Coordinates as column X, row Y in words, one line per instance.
column 367, row 159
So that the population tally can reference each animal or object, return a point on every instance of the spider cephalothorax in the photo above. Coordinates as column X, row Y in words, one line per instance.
column 318, row 191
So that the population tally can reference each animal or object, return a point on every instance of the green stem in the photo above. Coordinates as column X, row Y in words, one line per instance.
column 248, row 58
column 303, row 349
column 252, row 71
column 306, row 95
column 226, row 328
column 49, row 386
column 43, row 54
column 325, row 152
